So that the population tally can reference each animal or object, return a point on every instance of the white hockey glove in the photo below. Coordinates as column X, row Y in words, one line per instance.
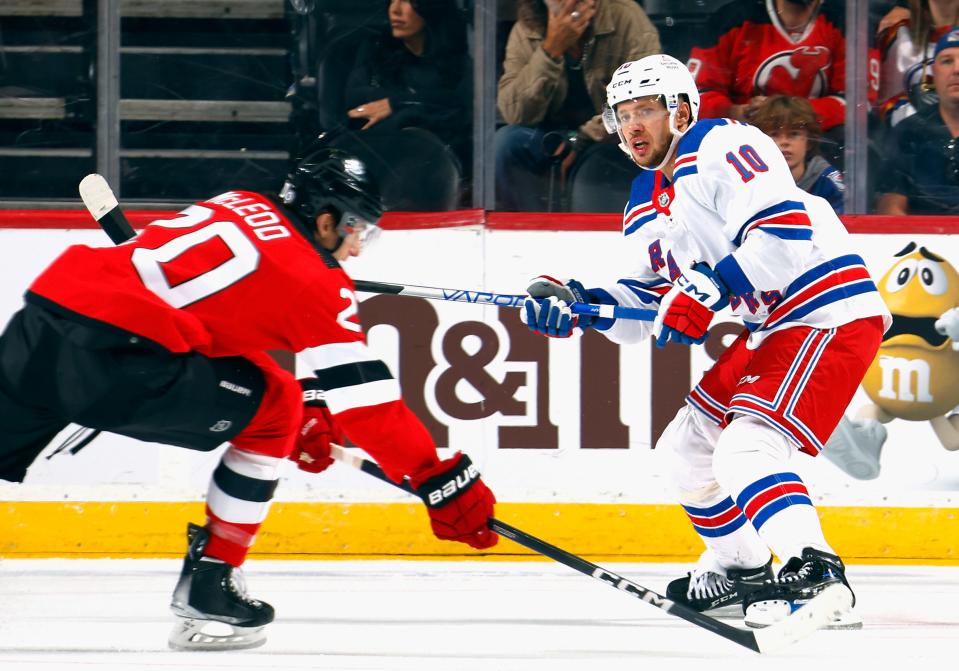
column 948, row 324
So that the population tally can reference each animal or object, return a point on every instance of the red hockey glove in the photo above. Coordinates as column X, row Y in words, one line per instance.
column 686, row 311
column 457, row 501
column 312, row 450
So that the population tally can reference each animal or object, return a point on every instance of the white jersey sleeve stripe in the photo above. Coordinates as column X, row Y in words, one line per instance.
column 231, row 509
column 362, row 395
column 251, row 465
column 336, row 354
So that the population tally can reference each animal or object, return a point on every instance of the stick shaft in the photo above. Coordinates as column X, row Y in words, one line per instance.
column 103, row 205
column 498, row 300
column 744, row 638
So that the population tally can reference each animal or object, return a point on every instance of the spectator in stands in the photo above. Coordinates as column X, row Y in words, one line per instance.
column 920, row 173
column 559, row 57
column 907, row 39
column 792, row 123
column 759, row 48
column 415, row 75
column 418, row 74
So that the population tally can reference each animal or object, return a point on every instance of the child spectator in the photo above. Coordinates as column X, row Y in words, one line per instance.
column 792, row 123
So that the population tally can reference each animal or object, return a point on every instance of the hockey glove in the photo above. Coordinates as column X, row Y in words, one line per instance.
column 948, row 324
column 458, row 502
column 547, row 310
column 686, row 311
column 312, row 449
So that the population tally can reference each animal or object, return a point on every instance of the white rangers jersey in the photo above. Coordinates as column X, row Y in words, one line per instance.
column 733, row 204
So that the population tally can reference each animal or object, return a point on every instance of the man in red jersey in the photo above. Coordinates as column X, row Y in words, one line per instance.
column 759, row 48
column 164, row 339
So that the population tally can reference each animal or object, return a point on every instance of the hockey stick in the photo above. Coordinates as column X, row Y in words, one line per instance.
column 815, row 614
column 499, row 300
column 102, row 204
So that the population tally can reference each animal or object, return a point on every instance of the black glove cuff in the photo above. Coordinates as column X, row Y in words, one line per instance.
column 314, row 396
column 442, row 488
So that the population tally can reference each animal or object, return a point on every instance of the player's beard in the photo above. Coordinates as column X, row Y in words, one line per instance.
column 656, row 157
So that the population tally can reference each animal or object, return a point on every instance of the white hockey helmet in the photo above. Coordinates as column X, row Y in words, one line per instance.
column 658, row 75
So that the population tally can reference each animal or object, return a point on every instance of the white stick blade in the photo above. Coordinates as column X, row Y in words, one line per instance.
column 816, row 614
column 341, row 454
column 97, row 195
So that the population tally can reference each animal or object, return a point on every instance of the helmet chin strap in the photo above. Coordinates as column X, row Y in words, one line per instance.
column 676, row 135
column 669, row 154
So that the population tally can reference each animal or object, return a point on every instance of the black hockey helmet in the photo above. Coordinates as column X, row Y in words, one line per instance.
column 335, row 181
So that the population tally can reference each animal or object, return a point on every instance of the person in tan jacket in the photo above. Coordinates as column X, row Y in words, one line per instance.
column 559, row 57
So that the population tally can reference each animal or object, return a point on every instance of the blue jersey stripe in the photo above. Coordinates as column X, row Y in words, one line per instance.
column 786, row 233
column 725, row 530
column 813, row 274
column 831, row 296
column 762, row 485
column 778, row 505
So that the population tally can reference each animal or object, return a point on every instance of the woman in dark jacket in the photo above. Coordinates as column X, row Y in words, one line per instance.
column 417, row 75
column 408, row 99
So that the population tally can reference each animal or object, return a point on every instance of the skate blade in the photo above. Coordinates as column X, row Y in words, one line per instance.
column 763, row 614
column 817, row 613
column 726, row 612
column 208, row 635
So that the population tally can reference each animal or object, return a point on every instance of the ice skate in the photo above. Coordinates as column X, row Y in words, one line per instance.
column 855, row 447
column 798, row 581
column 706, row 588
column 211, row 605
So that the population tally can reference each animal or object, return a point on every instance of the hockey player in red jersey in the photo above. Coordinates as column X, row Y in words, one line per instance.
column 715, row 222
column 164, row 339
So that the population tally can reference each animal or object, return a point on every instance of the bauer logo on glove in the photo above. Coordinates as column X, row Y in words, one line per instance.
column 319, row 430
column 458, row 502
column 445, row 492
column 315, row 397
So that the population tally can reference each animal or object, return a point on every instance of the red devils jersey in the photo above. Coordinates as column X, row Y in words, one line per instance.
column 749, row 53
column 224, row 277
column 232, row 276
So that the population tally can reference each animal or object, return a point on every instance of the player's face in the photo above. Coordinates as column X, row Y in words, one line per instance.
column 351, row 246
column 331, row 238
column 404, row 21
column 645, row 125
column 793, row 143
column 945, row 75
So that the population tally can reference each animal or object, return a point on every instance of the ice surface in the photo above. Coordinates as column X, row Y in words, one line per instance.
column 454, row 616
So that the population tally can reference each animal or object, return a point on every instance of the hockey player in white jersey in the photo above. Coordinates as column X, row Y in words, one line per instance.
column 714, row 222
